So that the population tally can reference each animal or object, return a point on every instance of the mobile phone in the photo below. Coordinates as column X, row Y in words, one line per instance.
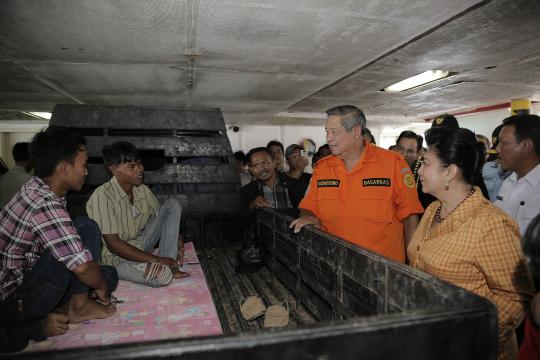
column 303, row 153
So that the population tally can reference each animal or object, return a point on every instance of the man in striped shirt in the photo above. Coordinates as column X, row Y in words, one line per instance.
column 44, row 261
column 132, row 221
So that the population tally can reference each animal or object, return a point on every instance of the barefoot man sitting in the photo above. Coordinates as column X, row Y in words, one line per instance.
column 46, row 259
column 133, row 222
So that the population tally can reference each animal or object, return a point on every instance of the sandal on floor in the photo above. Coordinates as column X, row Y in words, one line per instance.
column 158, row 275
column 252, row 307
column 277, row 316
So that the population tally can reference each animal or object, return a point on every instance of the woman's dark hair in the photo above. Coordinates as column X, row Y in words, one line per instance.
column 531, row 249
column 119, row 152
column 456, row 146
column 51, row 146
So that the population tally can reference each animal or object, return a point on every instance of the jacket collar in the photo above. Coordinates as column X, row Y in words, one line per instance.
column 532, row 177
column 281, row 180
column 120, row 194
column 40, row 185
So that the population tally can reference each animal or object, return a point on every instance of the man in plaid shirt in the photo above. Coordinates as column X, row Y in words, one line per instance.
column 46, row 260
column 270, row 189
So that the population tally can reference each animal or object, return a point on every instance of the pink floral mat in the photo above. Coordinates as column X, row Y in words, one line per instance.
column 182, row 309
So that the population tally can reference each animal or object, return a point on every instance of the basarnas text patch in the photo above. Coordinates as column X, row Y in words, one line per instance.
column 376, row 182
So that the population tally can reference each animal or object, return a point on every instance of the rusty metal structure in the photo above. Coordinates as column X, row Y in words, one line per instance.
column 186, row 155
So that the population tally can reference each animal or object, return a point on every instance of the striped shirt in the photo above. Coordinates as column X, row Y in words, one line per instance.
column 277, row 197
column 33, row 221
column 111, row 208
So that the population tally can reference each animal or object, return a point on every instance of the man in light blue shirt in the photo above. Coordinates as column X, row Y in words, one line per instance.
column 492, row 171
column 494, row 176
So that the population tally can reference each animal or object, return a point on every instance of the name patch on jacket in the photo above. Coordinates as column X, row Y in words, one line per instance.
column 376, row 182
column 328, row 183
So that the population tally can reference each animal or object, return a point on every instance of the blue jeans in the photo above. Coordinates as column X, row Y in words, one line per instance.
column 49, row 283
column 163, row 228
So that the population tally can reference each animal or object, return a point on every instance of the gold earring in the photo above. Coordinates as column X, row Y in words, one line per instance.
column 446, row 187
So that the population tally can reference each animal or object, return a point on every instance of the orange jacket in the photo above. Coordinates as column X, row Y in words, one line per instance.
column 368, row 204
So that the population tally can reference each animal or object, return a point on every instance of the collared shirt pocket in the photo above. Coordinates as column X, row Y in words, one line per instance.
column 377, row 208
column 329, row 203
column 527, row 212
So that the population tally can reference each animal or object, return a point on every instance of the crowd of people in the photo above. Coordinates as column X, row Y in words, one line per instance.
column 463, row 209
column 458, row 209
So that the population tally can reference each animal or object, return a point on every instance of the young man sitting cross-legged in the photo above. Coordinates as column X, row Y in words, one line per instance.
column 47, row 261
column 132, row 222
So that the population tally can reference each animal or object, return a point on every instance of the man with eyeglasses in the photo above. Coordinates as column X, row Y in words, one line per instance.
column 362, row 193
column 133, row 222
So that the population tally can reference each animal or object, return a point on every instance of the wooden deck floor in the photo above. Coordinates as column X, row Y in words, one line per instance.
column 228, row 288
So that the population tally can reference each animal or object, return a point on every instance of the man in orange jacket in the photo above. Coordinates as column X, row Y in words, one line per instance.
column 362, row 193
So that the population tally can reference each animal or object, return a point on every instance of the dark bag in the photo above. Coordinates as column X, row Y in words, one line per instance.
column 250, row 258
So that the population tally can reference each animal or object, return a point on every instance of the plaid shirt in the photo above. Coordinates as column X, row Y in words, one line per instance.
column 477, row 247
column 36, row 220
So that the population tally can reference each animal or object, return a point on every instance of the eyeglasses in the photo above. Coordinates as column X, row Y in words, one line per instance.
column 335, row 132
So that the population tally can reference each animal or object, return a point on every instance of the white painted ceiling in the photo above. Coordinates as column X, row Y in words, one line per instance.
column 271, row 62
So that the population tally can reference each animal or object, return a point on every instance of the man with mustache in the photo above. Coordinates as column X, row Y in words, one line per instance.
column 271, row 189
column 132, row 222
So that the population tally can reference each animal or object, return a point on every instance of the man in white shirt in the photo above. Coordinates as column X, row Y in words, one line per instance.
column 11, row 182
column 519, row 143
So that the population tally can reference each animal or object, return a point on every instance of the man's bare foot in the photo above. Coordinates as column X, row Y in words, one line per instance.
column 180, row 274
column 82, row 308
column 55, row 324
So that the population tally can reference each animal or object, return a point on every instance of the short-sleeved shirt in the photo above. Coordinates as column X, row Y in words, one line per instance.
column 110, row 207
column 477, row 247
column 367, row 205
column 520, row 198
column 35, row 220
column 494, row 177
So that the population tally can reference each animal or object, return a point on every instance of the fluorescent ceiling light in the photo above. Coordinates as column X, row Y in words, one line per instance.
column 43, row 115
column 309, row 115
column 418, row 80
column 38, row 115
